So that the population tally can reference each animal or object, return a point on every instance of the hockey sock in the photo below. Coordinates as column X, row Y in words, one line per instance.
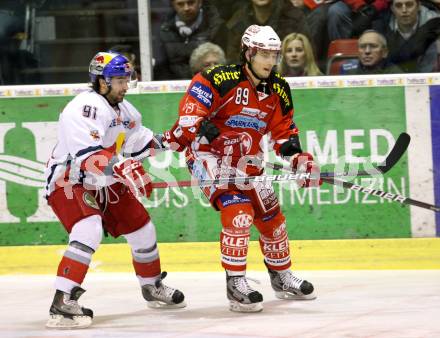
column 274, row 242
column 73, row 266
column 236, row 216
column 146, row 261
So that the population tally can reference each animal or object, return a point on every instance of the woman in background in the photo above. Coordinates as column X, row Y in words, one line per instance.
column 297, row 57
column 205, row 56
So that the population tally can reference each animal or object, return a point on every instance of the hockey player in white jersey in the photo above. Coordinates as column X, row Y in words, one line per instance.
column 94, row 180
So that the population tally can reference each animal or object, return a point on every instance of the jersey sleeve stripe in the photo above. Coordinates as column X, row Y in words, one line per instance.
column 137, row 153
column 88, row 150
column 49, row 178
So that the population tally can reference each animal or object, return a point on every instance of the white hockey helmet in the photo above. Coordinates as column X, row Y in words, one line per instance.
column 260, row 37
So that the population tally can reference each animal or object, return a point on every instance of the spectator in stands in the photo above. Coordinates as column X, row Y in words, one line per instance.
column 373, row 53
column 340, row 19
column 413, row 35
column 297, row 58
column 191, row 24
column 205, row 56
column 281, row 15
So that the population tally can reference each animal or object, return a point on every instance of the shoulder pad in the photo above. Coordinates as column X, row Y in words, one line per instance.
column 223, row 77
column 282, row 89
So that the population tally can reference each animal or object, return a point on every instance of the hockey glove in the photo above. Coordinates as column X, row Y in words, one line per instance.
column 231, row 144
column 304, row 163
column 207, row 132
column 132, row 174
column 175, row 138
column 291, row 147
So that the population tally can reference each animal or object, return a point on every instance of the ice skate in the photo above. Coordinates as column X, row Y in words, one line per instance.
column 287, row 286
column 66, row 313
column 242, row 298
column 161, row 296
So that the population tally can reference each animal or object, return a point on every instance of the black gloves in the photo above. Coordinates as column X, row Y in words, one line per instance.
column 291, row 146
column 208, row 130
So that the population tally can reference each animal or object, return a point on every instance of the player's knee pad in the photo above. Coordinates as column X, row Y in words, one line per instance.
column 271, row 226
column 142, row 238
column 144, row 250
column 88, row 232
column 143, row 242
column 237, row 216
column 237, row 213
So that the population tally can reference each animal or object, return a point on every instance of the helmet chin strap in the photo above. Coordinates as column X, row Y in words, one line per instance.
column 253, row 72
column 109, row 89
column 251, row 69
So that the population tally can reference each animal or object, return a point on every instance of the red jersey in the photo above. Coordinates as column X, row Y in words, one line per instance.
column 227, row 97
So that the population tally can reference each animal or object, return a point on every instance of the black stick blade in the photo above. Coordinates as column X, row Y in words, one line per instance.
column 396, row 153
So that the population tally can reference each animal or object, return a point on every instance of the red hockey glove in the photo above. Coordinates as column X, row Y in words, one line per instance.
column 131, row 173
column 231, row 144
column 175, row 139
column 304, row 163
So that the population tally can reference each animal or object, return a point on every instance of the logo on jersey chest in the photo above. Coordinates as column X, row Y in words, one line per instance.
column 253, row 112
column 239, row 121
column 126, row 123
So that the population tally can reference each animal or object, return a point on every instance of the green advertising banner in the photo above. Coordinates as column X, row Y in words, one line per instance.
column 351, row 125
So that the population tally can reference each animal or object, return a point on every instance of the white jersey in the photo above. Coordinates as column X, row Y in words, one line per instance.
column 88, row 124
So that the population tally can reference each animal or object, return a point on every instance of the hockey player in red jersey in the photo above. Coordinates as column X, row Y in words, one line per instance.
column 93, row 178
column 222, row 119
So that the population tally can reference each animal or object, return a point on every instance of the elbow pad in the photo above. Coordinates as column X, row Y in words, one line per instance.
column 291, row 147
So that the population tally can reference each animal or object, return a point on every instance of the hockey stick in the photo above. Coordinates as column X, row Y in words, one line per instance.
column 393, row 157
column 379, row 193
column 232, row 180
column 294, row 177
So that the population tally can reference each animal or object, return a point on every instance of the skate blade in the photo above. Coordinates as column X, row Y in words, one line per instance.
column 60, row 322
column 291, row 296
column 239, row 307
column 162, row 305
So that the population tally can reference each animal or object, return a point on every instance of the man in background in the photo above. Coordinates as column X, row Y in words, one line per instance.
column 373, row 56
column 189, row 25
